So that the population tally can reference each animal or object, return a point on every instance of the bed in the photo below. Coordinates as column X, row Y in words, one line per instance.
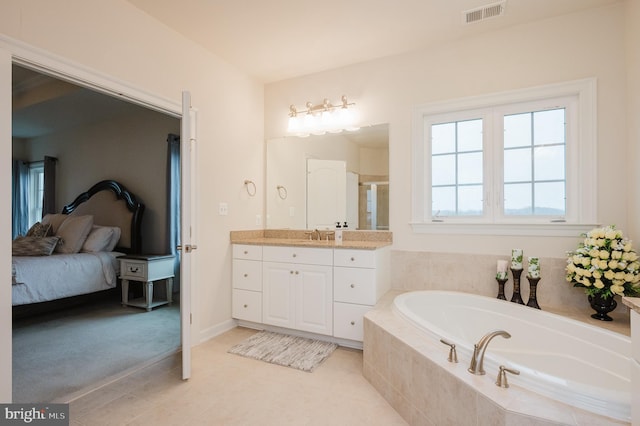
column 75, row 252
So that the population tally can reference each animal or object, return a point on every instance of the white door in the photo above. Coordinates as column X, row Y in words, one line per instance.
column 326, row 193
column 187, row 238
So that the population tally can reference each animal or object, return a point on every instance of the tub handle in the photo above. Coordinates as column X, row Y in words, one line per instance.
column 502, row 376
column 453, row 355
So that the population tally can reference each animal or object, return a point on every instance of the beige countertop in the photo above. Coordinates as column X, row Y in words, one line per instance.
column 365, row 240
column 632, row 302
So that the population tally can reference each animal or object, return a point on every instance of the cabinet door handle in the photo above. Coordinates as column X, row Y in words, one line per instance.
column 352, row 286
column 246, row 275
column 246, row 306
column 353, row 323
column 246, row 252
column 291, row 272
column 294, row 255
column 297, row 272
column 353, row 259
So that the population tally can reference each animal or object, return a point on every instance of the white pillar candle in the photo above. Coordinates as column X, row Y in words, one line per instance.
column 534, row 267
column 502, row 270
column 516, row 258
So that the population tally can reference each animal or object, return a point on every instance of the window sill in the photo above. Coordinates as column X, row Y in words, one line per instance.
column 510, row 229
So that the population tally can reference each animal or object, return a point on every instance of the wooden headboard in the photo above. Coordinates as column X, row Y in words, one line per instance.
column 111, row 204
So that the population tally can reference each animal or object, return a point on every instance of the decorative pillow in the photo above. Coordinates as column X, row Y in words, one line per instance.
column 55, row 220
column 33, row 246
column 98, row 239
column 73, row 232
column 39, row 230
column 114, row 238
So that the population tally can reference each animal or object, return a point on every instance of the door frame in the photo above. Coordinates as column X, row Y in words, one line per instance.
column 16, row 52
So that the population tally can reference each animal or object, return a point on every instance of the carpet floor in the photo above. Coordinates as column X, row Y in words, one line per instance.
column 281, row 349
column 61, row 354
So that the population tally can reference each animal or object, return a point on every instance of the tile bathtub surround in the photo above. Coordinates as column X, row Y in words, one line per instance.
column 414, row 376
column 442, row 271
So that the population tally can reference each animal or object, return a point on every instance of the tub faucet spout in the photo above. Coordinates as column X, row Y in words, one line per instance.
column 479, row 348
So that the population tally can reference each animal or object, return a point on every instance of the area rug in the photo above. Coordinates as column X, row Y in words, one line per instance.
column 289, row 351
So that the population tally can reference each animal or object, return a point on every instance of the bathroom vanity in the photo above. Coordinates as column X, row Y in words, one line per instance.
column 284, row 280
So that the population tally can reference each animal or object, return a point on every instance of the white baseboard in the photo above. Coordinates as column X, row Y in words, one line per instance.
column 217, row 329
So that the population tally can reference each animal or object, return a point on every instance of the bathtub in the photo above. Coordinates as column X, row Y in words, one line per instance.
column 563, row 359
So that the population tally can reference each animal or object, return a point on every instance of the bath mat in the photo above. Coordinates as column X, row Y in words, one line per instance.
column 289, row 351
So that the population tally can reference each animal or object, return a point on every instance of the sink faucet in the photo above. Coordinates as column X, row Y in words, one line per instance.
column 317, row 232
column 478, row 350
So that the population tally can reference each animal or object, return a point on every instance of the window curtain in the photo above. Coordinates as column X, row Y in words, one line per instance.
column 49, row 200
column 19, row 198
column 173, row 196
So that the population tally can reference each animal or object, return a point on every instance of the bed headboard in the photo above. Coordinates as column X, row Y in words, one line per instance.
column 112, row 205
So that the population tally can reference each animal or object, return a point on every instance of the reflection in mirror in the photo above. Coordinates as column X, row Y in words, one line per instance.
column 316, row 181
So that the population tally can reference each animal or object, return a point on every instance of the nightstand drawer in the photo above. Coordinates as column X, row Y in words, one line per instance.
column 133, row 270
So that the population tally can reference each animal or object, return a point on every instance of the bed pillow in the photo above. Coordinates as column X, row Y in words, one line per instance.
column 55, row 220
column 33, row 246
column 73, row 233
column 40, row 230
column 98, row 239
column 115, row 237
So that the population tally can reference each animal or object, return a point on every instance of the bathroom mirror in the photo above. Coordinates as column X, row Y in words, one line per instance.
column 316, row 181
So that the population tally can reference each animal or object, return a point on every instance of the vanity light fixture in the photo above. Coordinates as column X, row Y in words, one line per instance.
column 322, row 118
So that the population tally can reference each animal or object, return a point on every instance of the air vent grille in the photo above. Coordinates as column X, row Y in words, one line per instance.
column 485, row 12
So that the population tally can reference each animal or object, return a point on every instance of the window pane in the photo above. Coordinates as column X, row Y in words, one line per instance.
column 549, row 163
column 470, row 200
column 517, row 199
column 517, row 130
column 517, row 165
column 470, row 135
column 443, row 138
column 443, row 201
column 548, row 127
column 470, row 168
column 550, row 198
column 443, row 170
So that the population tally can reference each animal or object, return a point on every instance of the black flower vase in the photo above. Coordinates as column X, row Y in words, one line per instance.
column 602, row 307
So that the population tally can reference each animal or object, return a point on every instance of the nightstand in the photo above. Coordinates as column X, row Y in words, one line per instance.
column 146, row 269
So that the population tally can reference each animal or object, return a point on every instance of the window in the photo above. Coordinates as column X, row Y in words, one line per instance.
column 36, row 191
column 511, row 163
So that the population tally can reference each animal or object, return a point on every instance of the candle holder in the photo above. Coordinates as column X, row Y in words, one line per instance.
column 516, row 298
column 501, row 283
column 533, row 283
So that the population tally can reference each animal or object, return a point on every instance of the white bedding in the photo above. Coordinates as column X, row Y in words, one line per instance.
column 44, row 278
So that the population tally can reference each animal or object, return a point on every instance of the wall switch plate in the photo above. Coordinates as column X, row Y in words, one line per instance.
column 223, row 209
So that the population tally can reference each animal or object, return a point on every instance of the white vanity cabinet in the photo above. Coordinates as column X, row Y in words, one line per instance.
column 361, row 277
column 297, row 289
column 247, row 282
column 635, row 367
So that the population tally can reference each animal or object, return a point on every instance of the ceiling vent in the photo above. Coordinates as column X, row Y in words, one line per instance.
column 484, row 12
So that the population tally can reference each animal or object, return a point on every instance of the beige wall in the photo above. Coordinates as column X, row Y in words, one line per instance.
column 123, row 43
column 130, row 149
column 566, row 48
column 632, row 29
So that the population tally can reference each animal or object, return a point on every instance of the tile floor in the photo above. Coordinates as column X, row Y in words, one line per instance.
column 227, row 389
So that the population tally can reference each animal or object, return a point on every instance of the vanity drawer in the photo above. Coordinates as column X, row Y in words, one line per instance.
column 247, row 305
column 354, row 285
column 247, row 251
column 304, row 255
column 247, row 274
column 348, row 321
column 355, row 258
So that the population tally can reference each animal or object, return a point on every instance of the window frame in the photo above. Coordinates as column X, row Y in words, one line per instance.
column 581, row 177
column 35, row 192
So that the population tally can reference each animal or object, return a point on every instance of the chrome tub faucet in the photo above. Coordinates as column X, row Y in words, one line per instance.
column 479, row 348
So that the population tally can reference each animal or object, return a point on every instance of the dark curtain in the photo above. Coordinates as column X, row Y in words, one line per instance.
column 49, row 200
column 19, row 198
column 173, row 195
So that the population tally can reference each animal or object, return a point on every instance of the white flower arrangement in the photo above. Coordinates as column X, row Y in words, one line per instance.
column 605, row 264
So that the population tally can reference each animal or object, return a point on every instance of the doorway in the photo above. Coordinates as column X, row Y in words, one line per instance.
column 117, row 115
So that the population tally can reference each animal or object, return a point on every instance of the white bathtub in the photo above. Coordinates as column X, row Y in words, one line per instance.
column 570, row 361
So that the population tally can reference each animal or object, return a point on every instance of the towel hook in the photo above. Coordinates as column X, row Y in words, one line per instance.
column 249, row 183
column 282, row 192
